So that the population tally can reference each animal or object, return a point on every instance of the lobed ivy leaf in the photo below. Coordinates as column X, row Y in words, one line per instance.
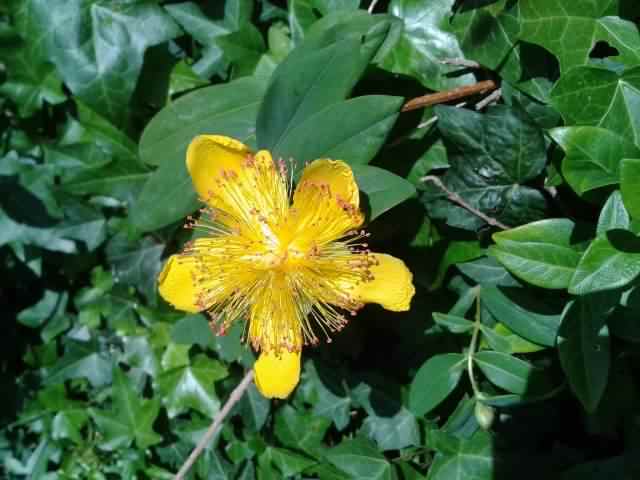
column 359, row 459
column 130, row 419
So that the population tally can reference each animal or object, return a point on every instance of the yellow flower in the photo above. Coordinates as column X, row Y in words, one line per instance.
column 294, row 270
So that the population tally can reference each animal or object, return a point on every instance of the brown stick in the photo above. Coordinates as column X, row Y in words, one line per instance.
column 455, row 198
column 449, row 95
column 234, row 398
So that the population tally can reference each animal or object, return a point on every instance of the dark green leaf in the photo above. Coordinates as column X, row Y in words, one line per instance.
column 353, row 131
column 505, row 371
column 522, row 313
column 453, row 323
column 583, row 344
column 613, row 214
column 383, row 189
column 473, row 458
column 131, row 418
column 434, row 381
column 301, row 430
column 359, row 459
column 228, row 109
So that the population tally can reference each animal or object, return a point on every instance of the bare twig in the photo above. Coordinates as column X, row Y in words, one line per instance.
column 460, row 62
column 489, row 99
column 449, row 95
column 234, row 398
column 372, row 6
column 455, row 198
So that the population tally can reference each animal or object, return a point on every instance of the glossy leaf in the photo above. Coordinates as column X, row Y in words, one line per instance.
column 611, row 261
column 629, row 185
column 613, row 214
column 505, row 371
column 592, row 156
column 542, row 253
column 383, row 189
column 359, row 459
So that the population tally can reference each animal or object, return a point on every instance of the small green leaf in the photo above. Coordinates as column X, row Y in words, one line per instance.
column 434, row 381
column 359, row 459
column 505, row 371
column 301, row 430
column 613, row 214
column 630, row 185
column 522, row 313
column 542, row 253
column 131, row 418
column 583, row 344
column 453, row 323
column 611, row 261
column 383, row 189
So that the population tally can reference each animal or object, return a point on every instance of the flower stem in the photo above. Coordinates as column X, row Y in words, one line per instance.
column 234, row 398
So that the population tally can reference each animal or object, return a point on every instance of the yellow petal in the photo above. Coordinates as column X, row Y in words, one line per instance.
column 335, row 173
column 392, row 284
column 277, row 374
column 176, row 284
column 208, row 156
column 325, row 204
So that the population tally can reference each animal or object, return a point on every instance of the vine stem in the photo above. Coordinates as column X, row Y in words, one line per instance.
column 473, row 345
column 372, row 6
column 455, row 198
column 234, row 398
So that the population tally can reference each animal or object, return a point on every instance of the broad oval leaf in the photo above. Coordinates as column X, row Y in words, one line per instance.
column 434, row 381
column 542, row 253
column 228, row 109
column 383, row 189
column 505, row 371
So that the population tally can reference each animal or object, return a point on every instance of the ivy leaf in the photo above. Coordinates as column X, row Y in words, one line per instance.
column 100, row 55
column 601, row 98
column 592, row 156
column 470, row 458
column 191, row 386
column 359, row 459
column 424, row 42
column 301, row 430
column 491, row 156
column 81, row 360
column 570, row 31
column 130, row 419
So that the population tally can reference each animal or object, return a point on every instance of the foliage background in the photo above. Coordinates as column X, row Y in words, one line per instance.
column 520, row 354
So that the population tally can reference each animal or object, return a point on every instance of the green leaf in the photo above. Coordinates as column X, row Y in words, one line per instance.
column 613, row 214
column 543, row 253
column 611, row 261
column 131, row 418
column 193, row 20
column 318, row 73
column 191, row 387
column 359, row 459
column 254, row 409
column 100, row 56
column 456, row 253
column 522, row 313
column 389, row 423
column 453, row 323
column 289, row 463
column 505, row 371
column 228, row 109
column 434, row 381
column 301, row 430
column 383, row 189
column 425, row 40
column 81, row 360
column 491, row 155
column 599, row 97
column 472, row 458
column 353, row 131
column 583, row 345
column 517, row 344
column 592, row 156
column 136, row 264
column 51, row 305
column 629, row 182
column 570, row 31
column 193, row 329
